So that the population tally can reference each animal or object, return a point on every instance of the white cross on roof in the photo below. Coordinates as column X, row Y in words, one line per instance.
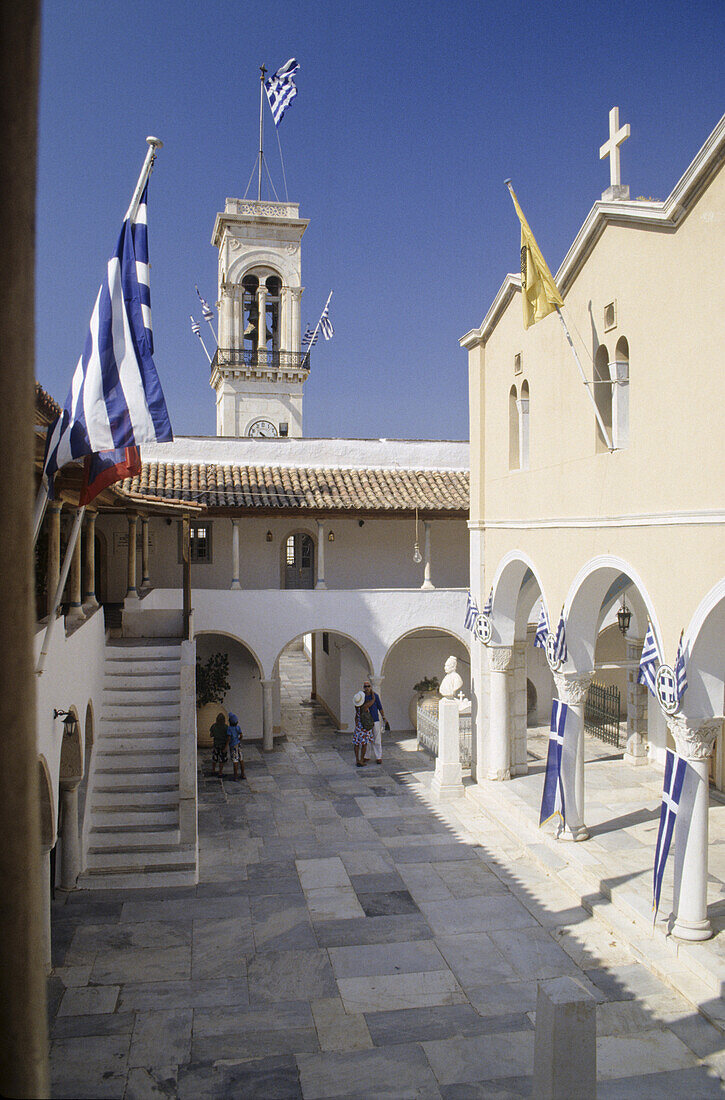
column 610, row 148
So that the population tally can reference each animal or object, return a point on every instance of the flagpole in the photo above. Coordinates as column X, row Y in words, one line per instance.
column 75, row 531
column 590, row 395
column 154, row 143
column 41, row 503
column 262, row 73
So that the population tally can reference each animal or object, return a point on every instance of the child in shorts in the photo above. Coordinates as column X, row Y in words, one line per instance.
column 235, row 744
column 220, row 736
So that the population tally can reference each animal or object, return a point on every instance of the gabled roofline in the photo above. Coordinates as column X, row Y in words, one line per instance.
column 662, row 215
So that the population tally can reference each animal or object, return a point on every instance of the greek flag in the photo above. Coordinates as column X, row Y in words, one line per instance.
column 471, row 613
column 649, row 662
column 326, row 324
column 310, row 338
column 115, row 399
column 542, row 629
column 675, row 769
column 206, row 311
column 488, row 607
column 680, row 670
column 281, row 89
column 195, row 327
column 560, row 650
column 552, row 800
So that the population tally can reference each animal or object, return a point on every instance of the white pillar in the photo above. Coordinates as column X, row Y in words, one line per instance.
column 320, row 556
column 132, row 591
column 498, row 747
column 90, row 603
column 519, row 707
column 295, row 334
column 54, row 509
column 637, row 697
column 694, row 740
column 145, row 579
column 235, row 555
column 448, row 779
column 426, row 556
column 70, row 849
column 572, row 689
column 262, row 323
column 45, row 906
column 286, row 319
column 267, row 715
column 75, row 601
column 479, row 662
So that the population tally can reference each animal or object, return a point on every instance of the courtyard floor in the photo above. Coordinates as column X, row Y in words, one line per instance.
column 349, row 938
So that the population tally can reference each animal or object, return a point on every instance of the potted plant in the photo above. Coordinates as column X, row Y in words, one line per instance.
column 426, row 693
column 212, row 685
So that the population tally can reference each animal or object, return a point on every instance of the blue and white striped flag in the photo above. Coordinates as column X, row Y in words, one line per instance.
column 281, row 89
column 560, row 650
column 471, row 613
column 310, row 338
column 649, row 662
column 488, row 606
column 680, row 670
column 206, row 311
column 115, row 399
column 326, row 324
column 542, row 629
column 552, row 800
column 675, row 769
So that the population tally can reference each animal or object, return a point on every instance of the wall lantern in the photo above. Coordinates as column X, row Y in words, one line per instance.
column 268, row 536
column 623, row 617
column 331, row 536
column 69, row 721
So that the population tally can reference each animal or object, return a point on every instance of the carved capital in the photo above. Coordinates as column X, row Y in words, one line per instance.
column 694, row 737
column 500, row 657
column 572, row 688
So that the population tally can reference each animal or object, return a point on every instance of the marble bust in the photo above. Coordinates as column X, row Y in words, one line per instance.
column 451, row 683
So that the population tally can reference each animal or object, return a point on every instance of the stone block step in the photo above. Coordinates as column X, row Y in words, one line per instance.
column 140, row 742
column 138, row 672
column 132, row 762
column 148, row 710
column 143, row 653
column 139, row 725
column 133, row 784
column 161, row 857
column 121, row 840
column 147, row 798
column 133, row 879
column 162, row 689
column 130, row 818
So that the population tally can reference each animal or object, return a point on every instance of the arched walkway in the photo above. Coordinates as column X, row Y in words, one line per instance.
column 420, row 653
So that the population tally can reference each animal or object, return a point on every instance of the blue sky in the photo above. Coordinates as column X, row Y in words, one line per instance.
column 408, row 119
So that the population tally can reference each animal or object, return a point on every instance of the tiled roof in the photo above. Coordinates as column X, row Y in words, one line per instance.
column 317, row 488
column 46, row 407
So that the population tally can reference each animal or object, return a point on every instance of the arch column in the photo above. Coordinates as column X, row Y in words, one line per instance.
column 267, row 715
column 145, row 552
column 519, row 759
column 427, row 583
column 286, row 319
column 320, row 557
column 55, row 508
column 296, row 292
column 636, row 750
column 90, row 603
column 235, row 555
column 262, row 323
column 498, row 748
column 572, row 689
column 694, row 741
column 70, row 850
column 131, row 589
column 75, row 609
column 45, row 896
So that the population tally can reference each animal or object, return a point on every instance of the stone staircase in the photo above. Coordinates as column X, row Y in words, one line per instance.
column 134, row 838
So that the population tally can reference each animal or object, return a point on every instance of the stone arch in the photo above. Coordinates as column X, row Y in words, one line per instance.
column 48, row 816
column 413, row 656
column 272, row 262
column 71, row 753
column 327, row 630
column 233, row 638
column 516, row 574
column 705, row 695
column 245, row 679
column 337, row 666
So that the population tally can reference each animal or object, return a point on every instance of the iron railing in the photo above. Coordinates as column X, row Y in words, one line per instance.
column 427, row 734
column 263, row 360
column 602, row 713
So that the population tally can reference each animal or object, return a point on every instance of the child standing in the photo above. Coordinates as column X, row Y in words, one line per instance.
column 235, row 744
column 220, row 737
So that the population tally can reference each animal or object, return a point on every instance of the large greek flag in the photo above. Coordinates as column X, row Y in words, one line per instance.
column 552, row 800
column 310, row 338
column 326, row 324
column 649, row 662
column 675, row 769
column 281, row 89
column 115, row 399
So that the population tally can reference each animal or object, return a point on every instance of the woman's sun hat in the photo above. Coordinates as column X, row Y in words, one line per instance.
column 359, row 699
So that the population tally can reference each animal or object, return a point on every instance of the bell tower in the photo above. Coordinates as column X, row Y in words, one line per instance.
column 258, row 371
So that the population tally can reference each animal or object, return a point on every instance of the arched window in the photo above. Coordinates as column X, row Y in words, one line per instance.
column 299, row 561
column 514, row 456
column 603, row 395
column 250, row 312
column 524, row 427
column 620, row 403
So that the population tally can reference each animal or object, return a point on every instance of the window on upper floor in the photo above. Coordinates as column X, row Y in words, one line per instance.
column 523, row 406
column 603, row 396
column 514, row 451
column 620, row 403
column 199, row 542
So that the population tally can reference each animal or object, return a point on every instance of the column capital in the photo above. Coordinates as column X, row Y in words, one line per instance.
column 500, row 657
column 694, row 737
column 572, row 688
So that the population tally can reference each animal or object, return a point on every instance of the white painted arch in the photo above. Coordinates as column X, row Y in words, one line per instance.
column 509, row 613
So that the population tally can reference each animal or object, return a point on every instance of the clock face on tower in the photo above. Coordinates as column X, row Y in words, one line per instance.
column 264, row 428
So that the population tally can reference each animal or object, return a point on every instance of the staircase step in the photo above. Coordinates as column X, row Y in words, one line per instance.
column 139, row 725
column 153, row 652
column 133, row 879
column 129, row 859
column 127, row 839
column 147, row 798
column 132, row 762
column 128, row 818
column 139, row 742
column 161, row 689
column 148, row 709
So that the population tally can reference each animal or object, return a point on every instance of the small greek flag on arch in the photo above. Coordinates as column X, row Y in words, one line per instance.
column 488, row 606
column 680, row 670
column 542, row 629
column 649, row 662
column 471, row 613
column 560, row 650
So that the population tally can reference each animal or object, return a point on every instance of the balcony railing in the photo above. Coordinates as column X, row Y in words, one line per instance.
column 261, row 360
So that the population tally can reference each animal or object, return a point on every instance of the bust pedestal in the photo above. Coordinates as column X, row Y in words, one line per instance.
column 448, row 778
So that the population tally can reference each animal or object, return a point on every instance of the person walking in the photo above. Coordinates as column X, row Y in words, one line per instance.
column 220, row 736
column 235, row 745
column 363, row 729
column 374, row 708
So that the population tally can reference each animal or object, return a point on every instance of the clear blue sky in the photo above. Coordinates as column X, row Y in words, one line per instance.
column 408, row 119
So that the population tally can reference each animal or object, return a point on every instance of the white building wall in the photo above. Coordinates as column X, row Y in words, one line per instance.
column 327, row 673
column 412, row 659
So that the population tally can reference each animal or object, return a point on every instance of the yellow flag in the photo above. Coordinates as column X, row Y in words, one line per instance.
column 538, row 289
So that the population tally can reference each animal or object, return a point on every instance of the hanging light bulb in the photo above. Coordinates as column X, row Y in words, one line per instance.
column 417, row 556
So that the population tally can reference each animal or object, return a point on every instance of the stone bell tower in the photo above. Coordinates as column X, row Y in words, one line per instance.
column 258, row 372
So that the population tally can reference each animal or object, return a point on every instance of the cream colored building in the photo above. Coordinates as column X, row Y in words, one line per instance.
column 558, row 516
